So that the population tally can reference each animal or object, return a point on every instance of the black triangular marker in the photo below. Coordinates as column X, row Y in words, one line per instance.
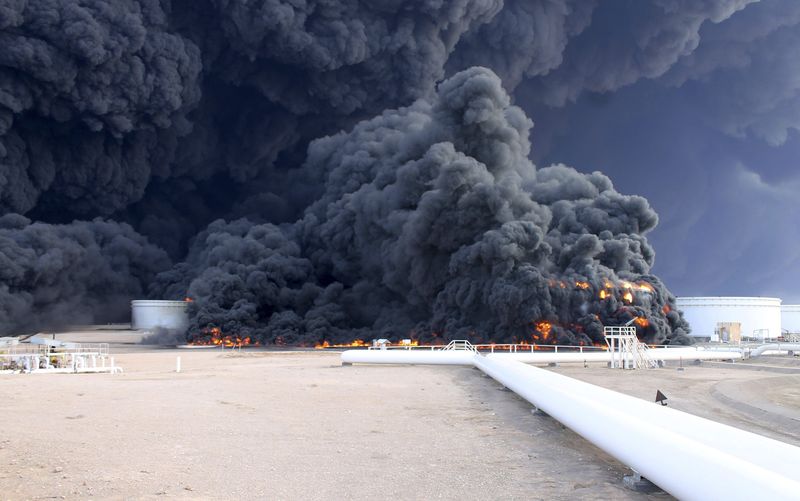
column 660, row 397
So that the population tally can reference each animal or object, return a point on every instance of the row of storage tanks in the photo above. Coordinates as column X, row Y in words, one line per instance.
column 725, row 319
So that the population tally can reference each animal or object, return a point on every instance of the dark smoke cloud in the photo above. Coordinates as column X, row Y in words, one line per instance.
column 744, row 74
column 526, row 39
column 77, row 273
column 627, row 41
column 252, row 280
column 276, row 75
column 342, row 56
column 170, row 115
column 92, row 98
column 433, row 221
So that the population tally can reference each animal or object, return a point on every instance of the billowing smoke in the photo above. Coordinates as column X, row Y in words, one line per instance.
column 71, row 274
column 433, row 222
column 92, row 98
column 193, row 124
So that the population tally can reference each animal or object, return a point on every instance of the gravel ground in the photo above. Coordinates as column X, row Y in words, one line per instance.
column 297, row 425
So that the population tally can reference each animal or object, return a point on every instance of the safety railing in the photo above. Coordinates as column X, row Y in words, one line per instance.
column 519, row 347
column 459, row 344
column 65, row 357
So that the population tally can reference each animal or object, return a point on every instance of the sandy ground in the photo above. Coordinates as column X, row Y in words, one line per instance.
column 260, row 425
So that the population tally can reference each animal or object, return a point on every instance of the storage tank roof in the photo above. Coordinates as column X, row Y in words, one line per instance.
column 729, row 300
column 157, row 302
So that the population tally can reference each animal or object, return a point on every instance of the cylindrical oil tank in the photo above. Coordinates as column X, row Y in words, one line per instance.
column 757, row 317
column 151, row 314
column 790, row 318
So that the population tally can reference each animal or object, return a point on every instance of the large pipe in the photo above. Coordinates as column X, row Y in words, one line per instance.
column 672, row 354
column 676, row 461
column 464, row 357
column 779, row 456
column 437, row 357
column 687, row 456
column 775, row 347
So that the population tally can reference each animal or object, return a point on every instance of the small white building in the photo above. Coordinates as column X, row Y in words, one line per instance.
column 758, row 317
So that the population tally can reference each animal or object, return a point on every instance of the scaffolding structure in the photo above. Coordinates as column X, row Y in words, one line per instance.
column 625, row 349
column 51, row 356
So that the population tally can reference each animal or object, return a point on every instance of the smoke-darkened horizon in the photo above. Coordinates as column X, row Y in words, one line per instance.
column 328, row 171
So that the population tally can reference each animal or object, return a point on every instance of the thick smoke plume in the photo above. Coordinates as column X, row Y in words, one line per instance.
column 194, row 123
column 67, row 274
column 434, row 223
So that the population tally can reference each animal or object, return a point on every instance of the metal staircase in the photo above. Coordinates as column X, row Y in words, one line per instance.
column 643, row 358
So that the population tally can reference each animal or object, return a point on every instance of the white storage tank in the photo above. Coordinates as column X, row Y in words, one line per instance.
column 790, row 318
column 759, row 317
column 150, row 314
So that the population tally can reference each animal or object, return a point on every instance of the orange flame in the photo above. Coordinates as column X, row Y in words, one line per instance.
column 356, row 343
column 582, row 285
column 641, row 322
column 216, row 338
column 544, row 328
column 557, row 283
column 603, row 294
column 627, row 297
column 188, row 299
column 638, row 286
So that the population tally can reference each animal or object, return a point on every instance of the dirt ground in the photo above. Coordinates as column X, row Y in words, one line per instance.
column 267, row 425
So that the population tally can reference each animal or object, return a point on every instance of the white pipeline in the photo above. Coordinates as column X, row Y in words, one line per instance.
column 666, row 354
column 438, row 357
column 687, row 456
column 775, row 347
column 677, row 461
column 463, row 357
column 780, row 457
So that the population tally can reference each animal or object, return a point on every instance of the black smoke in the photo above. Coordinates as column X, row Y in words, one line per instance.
column 92, row 98
column 71, row 274
column 433, row 221
column 193, row 124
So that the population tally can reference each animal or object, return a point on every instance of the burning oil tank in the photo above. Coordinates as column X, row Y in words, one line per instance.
column 152, row 314
column 717, row 317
